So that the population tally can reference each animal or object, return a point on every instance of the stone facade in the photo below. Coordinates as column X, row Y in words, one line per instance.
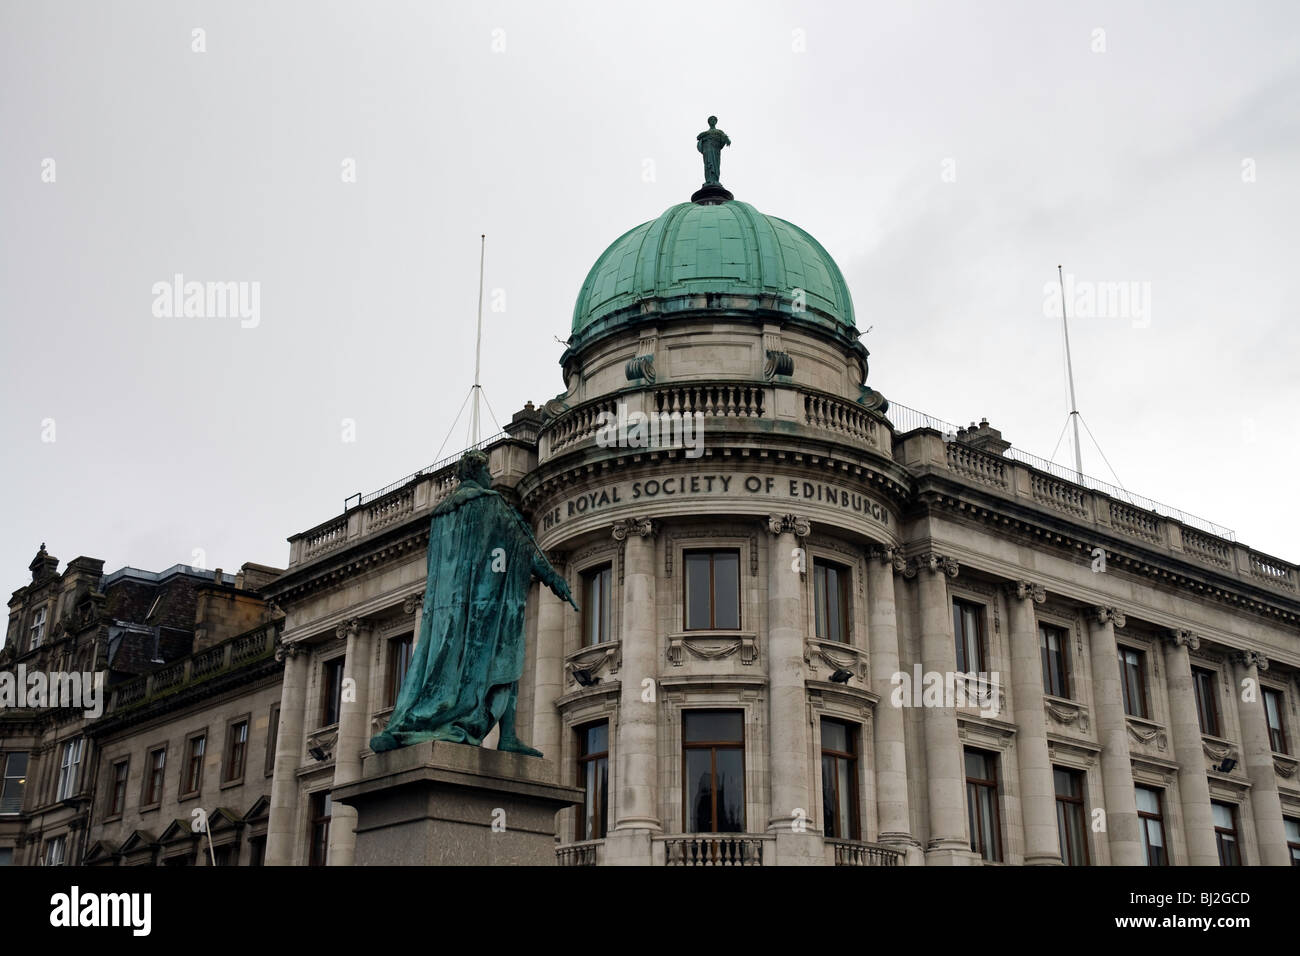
column 134, row 629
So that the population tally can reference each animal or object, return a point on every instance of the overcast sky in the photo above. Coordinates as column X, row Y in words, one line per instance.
column 948, row 155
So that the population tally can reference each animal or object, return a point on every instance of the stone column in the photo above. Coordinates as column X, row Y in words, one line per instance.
column 1112, row 733
column 548, row 684
column 895, row 821
column 790, row 799
column 1185, row 727
column 635, row 789
column 1258, row 751
column 354, row 735
column 282, row 827
column 1037, row 786
column 945, row 765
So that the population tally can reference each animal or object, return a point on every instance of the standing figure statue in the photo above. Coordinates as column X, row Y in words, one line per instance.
column 464, row 674
column 710, row 143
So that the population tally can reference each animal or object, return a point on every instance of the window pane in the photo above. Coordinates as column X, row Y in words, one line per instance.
column 726, row 589
column 699, row 791
column 977, row 766
column 844, row 766
column 731, row 790
column 835, row 736
column 828, row 797
column 711, row 725
column 697, row 591
column 1222, row 815
column 819, row 599
column 597, row 741
column 1148, row 801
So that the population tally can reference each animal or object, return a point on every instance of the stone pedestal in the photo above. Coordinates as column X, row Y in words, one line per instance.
column 445, row 804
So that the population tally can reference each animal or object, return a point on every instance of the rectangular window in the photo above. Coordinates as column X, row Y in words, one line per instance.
column 223, row 856
column 236, row 750
column 840, row 780
column 968, row 628
column 69, row 768
column 1054, row 643
column 593, row 778
column 257, row 851
column 712, row 590
column 713, row 771
column 331, row 691
column 117, row 794
column 1133, row 682
column 1071, row 820
column 55, row 849
column 831, row 600
column 153, row 780
column 14, row 782
column 37, row 630
column 1293, row 839
column 193, row 769
column 982, row 805
column 399, row 662
column 272, row 738
column 1225, row 833
column 6, row 856
column 1207, row 706
column 1273, row 711
column 595, row 605
column 1151, row 820
column 320, row 829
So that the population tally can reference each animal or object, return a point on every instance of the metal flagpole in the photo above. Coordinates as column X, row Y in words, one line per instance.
column 478, row 345
column 1069, row 371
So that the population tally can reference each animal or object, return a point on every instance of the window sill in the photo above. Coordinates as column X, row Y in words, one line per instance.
column 186, row 797
column 235, row 782
column 151, row 808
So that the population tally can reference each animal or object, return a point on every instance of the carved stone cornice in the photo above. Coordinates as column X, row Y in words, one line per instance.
column 1251, row 659
column 639, row 526
column 1181, row 638
column 347, row 629
column 1027, row 591
column 797, row 525
column 1104, row 614
column 932, row 561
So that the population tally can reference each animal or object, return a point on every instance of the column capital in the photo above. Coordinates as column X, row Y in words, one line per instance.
column 1026, row 591
column 1105, row 614
column 1251, row 659
column 797, row 525
column 932, row 561
column 639, row 526
column 287, row 652
column 412, row 602
column 348, row 629
column 1181, row 638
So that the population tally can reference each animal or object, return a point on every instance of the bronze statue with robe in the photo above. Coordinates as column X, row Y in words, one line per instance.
column 464, row 674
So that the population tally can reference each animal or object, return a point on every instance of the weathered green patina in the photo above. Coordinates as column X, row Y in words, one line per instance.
column 464, row 673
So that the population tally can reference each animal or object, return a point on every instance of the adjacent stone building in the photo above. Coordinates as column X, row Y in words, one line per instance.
column 132, row 629
column 815, row 628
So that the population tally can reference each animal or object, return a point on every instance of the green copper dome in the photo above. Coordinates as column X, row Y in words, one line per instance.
column 726, row 248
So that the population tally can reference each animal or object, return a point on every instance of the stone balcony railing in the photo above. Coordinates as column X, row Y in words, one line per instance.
column 194, row 669
column 857, row 853
column 718, row 404
column 585, row 853
column 713, row 849
column 1180, row 536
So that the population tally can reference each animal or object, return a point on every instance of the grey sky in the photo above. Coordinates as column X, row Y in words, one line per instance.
column 176, row 434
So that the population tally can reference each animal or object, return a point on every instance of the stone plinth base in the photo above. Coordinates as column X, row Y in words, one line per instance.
column 444, row 804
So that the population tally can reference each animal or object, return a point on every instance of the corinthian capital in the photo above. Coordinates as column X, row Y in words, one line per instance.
column 1252, row 659
column 1181, row 638
column 347, row 629
column 794, row 524
column 638, row 526
column 1109, row 615
column 1027, row 591
column 287, row 652
column 933, row 561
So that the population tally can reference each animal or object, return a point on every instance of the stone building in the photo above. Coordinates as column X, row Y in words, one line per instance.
column 815, row 628
column 63, row 630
